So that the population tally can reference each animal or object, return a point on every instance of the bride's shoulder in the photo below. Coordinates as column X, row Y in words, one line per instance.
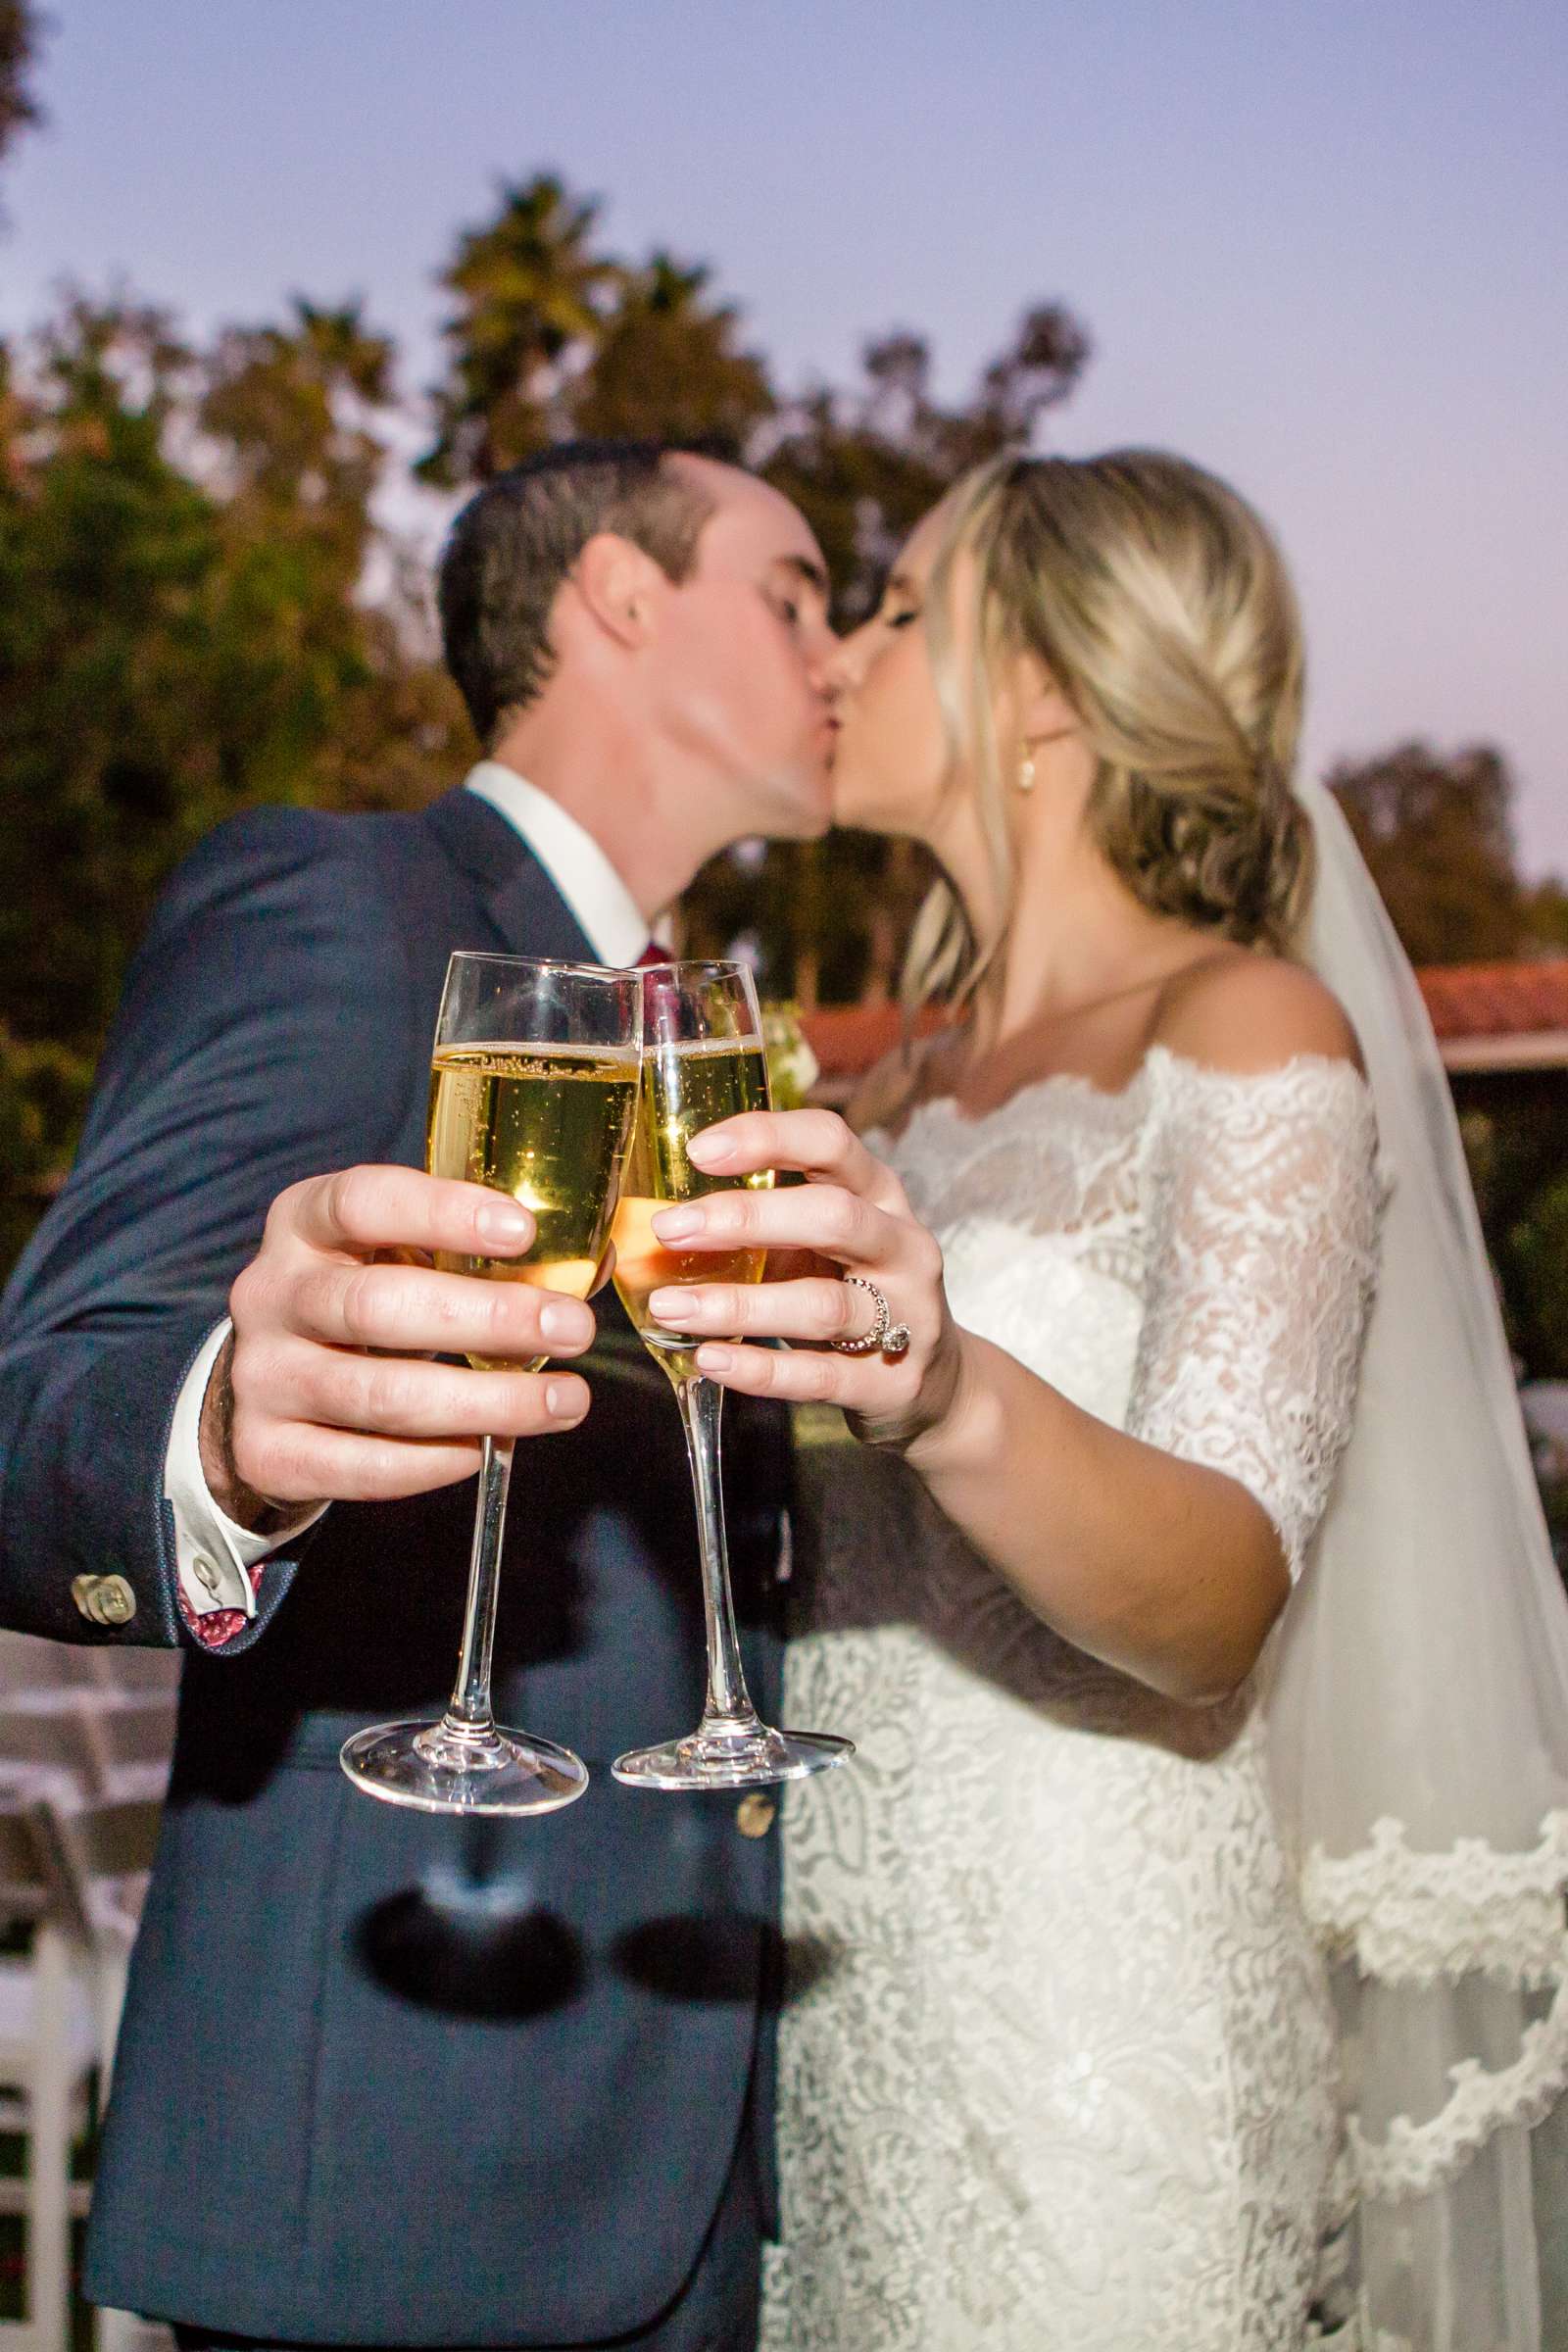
column 1245, row 1013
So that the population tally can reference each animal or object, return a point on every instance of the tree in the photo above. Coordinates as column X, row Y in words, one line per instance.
column 182, row 541
column 106, row 552
column 1547, row 917
column 554, row 336
column 666, row 366
column 198, row 611
column 1437, row 838
column 531, row 294
column 1437, row 835
column 329, row 694
column 19, row 43
column 863, row 468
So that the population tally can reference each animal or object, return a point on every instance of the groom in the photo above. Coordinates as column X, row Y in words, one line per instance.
column 388, row 2079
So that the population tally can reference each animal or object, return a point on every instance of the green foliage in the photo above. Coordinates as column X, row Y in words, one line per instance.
column 666, row 366
column 530, row 296
column 186, row 535
column 177, row 640
column 863, row 467
column 552, row 337
column 19, row 43
column 181, row 539
column 108, row 556
column 1546, row 918
column 1534, row 1256
column 1515, row 1128
column 1438, row 837
column 43, row 1093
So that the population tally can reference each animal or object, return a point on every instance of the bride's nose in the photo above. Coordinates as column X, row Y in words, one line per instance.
column 845, row 667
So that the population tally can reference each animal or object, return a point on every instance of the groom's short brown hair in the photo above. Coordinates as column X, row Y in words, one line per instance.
column 516, row 542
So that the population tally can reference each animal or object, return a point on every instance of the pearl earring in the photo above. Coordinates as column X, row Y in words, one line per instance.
column 1026, row 773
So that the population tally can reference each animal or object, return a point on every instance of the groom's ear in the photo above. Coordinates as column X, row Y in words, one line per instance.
column 619, row 585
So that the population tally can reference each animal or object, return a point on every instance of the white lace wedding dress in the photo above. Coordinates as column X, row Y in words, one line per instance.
column 1057, row 2069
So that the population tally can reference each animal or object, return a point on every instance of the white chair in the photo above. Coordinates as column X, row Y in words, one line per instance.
column 88, row 1728
column 73, row 1868
column 104, row 1714
column 115, row 1744
column 48, row 2050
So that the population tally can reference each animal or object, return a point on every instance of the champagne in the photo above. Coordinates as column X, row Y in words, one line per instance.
column 685, row 1088
column 548, row 1124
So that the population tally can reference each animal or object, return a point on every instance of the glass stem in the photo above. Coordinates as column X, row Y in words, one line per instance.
column 729, row 1708
column 469, row 1715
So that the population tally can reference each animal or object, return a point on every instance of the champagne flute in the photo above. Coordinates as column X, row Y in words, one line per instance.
column 703, row 1062
column 533, row 1091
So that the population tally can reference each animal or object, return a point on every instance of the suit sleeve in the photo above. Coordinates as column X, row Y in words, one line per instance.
column 265, row 1034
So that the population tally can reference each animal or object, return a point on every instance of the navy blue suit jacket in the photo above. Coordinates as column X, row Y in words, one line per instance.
column 383, row 2078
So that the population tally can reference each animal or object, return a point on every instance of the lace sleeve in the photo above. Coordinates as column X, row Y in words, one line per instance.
column 1263, row 1203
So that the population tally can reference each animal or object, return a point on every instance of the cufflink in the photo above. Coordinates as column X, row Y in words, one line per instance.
column 756, row 1814
column 104, row 1599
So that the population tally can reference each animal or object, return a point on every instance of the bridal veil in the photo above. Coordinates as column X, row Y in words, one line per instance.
column 1418, row 1716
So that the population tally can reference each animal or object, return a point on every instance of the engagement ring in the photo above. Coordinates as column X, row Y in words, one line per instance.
column 885, row 1336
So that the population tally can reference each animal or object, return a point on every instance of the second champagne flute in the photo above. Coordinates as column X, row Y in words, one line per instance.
column 703, row 1062
column 533, row 1090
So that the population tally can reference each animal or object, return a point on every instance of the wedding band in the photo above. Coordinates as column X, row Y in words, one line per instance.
column 885, row 1336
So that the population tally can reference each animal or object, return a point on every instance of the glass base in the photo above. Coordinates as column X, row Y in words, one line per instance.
column 440, row 1768
column 753, row 1757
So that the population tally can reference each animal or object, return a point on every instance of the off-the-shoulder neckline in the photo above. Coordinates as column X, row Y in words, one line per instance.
column 1074, row 1082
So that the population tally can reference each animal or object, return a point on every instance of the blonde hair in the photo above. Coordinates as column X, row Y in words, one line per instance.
column 1159, row 605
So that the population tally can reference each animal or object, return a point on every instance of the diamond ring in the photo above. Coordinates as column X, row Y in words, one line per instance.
column 885, row 1336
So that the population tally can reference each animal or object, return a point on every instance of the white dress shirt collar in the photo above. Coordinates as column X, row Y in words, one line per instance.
column 605, row 912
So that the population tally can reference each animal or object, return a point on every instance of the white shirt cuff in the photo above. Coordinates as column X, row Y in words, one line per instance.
column 212, row 1552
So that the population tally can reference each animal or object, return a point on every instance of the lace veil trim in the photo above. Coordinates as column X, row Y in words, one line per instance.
column 1425, row 1920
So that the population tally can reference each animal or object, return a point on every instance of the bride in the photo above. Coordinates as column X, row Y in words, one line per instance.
column 1180, row 1963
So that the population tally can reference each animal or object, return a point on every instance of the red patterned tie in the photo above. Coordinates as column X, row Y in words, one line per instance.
column 652, row 954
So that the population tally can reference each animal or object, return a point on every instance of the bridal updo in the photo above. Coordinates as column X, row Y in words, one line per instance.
column 1160, row 606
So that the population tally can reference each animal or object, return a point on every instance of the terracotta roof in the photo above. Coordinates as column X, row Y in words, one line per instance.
column 848, row 1038
column 1496, row 1000
column 1464, row 1001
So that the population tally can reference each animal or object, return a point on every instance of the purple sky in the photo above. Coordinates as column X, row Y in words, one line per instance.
column 1322, row 246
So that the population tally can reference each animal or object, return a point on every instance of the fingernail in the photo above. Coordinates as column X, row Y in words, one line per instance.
column 714, row 1359
column 676, row 1224
column 565, row 1401
column 505, row 1222
column 564, row 1322
column 673, row 1306
column 710, row 1149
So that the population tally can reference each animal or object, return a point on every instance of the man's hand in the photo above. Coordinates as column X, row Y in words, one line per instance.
column 326, row 1391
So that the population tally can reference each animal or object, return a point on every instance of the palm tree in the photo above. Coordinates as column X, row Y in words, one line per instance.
column 532, row 295
column 19, row 41
column 668, row 368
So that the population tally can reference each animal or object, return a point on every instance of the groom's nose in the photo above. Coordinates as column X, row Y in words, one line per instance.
column 823, row 649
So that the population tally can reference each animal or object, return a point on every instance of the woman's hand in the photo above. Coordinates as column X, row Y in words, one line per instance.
column 1166, row 1569
column 850, row 1217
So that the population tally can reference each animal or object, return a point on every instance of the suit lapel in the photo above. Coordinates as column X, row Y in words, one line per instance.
column 519, row 900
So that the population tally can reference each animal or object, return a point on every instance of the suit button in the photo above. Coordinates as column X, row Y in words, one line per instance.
column 754, row 1814
column 104, row 1599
